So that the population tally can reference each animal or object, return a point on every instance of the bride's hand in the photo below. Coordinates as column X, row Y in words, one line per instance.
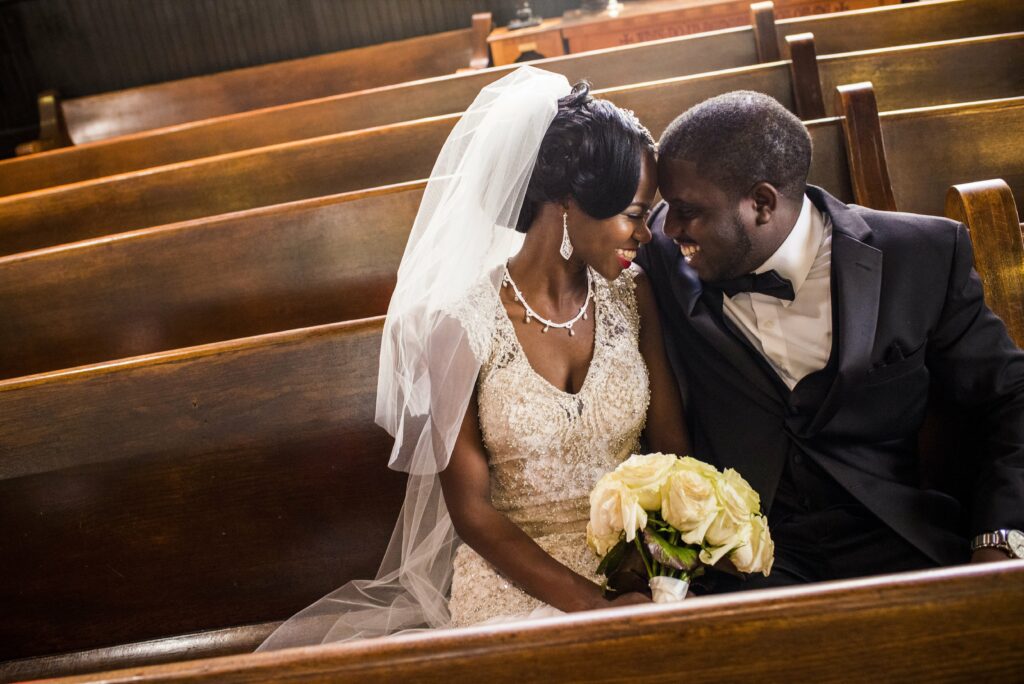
column 631, row 599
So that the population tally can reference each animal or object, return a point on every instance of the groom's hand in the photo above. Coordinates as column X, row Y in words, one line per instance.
column 988, row 556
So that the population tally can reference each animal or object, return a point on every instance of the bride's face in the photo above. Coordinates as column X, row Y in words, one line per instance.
column 609, row 245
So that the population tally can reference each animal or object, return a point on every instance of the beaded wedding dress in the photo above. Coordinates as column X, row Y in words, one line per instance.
column 547, row 447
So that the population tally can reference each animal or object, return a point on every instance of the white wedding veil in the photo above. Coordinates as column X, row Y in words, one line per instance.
column 463, row 233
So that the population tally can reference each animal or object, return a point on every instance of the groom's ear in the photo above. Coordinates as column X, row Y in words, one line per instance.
column 766, row 199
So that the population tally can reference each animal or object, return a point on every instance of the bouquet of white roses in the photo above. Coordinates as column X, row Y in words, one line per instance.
column 680, row 514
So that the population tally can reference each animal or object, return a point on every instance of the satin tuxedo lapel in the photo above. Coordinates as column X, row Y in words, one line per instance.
column 857, row 283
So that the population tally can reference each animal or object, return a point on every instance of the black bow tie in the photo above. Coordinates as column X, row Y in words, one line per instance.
column 767, row 283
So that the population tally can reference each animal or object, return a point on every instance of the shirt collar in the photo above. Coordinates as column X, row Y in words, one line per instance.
column 795, row 256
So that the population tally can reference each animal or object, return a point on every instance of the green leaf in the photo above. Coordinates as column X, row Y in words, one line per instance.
column 663, row 551
column 612, row 559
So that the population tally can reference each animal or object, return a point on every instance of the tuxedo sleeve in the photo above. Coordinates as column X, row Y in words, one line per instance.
column 977, row 365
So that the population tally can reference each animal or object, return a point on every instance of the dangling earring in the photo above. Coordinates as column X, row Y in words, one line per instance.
column 566, row 249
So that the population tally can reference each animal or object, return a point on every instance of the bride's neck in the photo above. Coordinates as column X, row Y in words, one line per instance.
column 539, row 269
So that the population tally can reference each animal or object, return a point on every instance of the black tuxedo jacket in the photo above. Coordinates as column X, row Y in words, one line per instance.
column 909, row 316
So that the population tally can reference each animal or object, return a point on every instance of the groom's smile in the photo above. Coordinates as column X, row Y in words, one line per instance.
column 707, row 224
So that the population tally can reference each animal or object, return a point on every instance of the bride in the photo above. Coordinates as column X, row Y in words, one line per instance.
column 521, row 359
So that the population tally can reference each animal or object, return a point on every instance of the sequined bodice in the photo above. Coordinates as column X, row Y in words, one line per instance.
column 547, row 447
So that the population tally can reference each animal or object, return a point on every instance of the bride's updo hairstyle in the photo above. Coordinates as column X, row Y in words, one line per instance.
column 590, row 152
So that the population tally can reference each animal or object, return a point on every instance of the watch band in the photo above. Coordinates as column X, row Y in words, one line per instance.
column 1011, row 542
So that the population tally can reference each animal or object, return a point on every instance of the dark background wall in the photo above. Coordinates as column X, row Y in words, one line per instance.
column 83, row 47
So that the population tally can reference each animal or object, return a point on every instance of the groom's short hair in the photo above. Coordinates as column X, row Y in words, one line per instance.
column 740, row 139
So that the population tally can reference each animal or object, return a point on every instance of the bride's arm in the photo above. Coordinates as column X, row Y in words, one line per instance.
column 666, row 425
column 467, row 494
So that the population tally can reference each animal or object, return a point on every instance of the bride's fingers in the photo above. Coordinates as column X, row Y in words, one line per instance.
column 632, row 598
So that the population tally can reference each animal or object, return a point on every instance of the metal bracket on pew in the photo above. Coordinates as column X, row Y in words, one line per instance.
column 803, row 69
column 53, row 131
column 988, row 210
column 869, row 171
column 482, row 24
column 762, row 20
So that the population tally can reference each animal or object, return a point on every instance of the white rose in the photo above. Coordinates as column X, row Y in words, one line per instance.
column 645, row 474
column 758, row 552
column 688, row 500
column 601, row 545
column 737, row 501
column 613, row 509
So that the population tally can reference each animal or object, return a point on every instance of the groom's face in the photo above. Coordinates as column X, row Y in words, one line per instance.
column 709, row 227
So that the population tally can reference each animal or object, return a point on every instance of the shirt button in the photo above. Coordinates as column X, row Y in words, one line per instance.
column 798, row 459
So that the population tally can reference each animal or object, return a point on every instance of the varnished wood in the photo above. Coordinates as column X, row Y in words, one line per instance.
column 803, row 69
column 407, row 151
column 216, row 185
column 257, row 271
column 482, row 24
column 99, row 117
column 645, row 20
column 762, row 20
column 952, row 624
column 927, row 152
column 866, row 29
column 53, row 130
column 988, row 210
column 198, row 489
column 869, row 169
column 207, row 644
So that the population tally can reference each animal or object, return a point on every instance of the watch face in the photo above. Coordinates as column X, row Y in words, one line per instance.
column 1016, row 540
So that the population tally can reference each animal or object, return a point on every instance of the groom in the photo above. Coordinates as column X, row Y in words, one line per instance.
column 806, row 335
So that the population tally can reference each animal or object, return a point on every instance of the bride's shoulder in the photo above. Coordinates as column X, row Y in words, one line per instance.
column 475, row 311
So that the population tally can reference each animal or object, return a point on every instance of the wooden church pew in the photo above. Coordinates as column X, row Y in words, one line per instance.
column 309, row 263
column 989, row 211
column 197, row 489
column 98, row 117
column 269, row 426
column 834, row 33
column 265, row 424
column 406, row 151
column 953, row 624
column 899, row 158
column 257, row 271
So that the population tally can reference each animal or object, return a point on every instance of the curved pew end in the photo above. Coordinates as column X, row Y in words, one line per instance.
column 905, row 626
column 869, row 172
column 766, row 39
column 803, row 68
column 482, row 25
column 988, row 210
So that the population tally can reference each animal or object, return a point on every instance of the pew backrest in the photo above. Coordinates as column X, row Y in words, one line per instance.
column 263, row 270
column 197, row 489
column 843, row 32
column 406, row 151
column 98, row 117
column 965, row 623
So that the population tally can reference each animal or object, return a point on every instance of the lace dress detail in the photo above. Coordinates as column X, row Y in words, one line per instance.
column 548, row 447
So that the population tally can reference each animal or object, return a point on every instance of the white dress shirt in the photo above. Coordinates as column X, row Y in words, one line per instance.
column 794, row 337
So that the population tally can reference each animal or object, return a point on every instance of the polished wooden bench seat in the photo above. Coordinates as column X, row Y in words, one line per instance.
column 107, row 115
column 406, row 151
column 834, row 33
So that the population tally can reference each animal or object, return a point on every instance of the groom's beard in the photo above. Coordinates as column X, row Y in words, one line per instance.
column 736, row 249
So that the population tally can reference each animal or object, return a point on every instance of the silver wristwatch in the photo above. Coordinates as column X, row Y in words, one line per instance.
column 1009, row 541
